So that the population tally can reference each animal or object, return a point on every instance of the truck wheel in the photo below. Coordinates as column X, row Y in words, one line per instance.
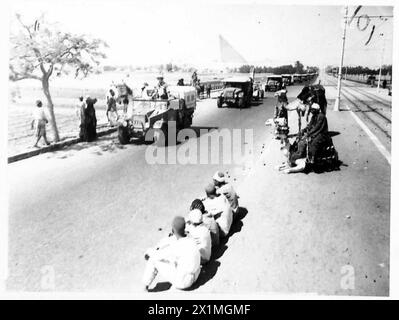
column 187, row 121
column 123, row 135
column 161, row 136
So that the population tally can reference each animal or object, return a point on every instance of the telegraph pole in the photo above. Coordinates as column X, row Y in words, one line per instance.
column 337, row 101
column 382, row 60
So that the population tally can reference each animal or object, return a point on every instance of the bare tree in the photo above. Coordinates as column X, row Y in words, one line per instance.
column 39, row 50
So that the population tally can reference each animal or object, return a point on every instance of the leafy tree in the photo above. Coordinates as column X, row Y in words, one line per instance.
column 386, row 69
column 284, row 69
column 40, row 50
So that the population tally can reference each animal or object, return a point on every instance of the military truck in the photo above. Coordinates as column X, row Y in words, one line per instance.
column 156, row 114
column 273, row 83
column 237, row 92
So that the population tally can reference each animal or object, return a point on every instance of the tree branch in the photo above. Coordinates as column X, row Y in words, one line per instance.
column 23, row 77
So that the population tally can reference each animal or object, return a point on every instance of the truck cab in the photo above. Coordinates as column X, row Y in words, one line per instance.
column 237, row 91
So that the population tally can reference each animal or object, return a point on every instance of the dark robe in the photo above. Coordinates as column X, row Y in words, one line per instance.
column 317, row 130
column 88, row 131
column 297, row 151
column 281, row 111
column 318, row 95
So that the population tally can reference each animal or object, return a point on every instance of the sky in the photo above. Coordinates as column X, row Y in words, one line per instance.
column 154, row 32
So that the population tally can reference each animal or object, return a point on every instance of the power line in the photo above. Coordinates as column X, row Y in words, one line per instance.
column 364, row 16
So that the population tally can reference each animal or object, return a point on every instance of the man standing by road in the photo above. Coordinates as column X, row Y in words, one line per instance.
column 39, row 124
column 80, row 112
column 177, row 259
column 208, row 90
column 111, row 104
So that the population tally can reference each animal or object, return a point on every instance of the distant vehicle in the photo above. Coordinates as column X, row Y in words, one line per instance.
column 148, row 113
column 297, row 78
column 303, row 77
column 287, row 79
column 273, row 83
column 237, row 91
column 258, row 92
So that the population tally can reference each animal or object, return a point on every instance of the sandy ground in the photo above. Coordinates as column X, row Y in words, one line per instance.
column 89, row 212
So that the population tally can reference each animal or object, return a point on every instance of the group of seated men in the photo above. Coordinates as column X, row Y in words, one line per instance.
column 179, row 256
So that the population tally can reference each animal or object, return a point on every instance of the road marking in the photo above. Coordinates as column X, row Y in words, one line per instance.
column 373, row 138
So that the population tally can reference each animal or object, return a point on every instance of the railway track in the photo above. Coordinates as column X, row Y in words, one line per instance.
column 368, row 106
column 363, row 102
column 373, row 97
column 375, row 123
column 346, row 94
column 369, row 95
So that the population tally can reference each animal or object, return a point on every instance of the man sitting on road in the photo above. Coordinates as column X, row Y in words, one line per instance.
column 176, row 258
column 218, row 206
column 316, row 132
column 200, row 233
column 225, row 188
column 208, row 221
column 295, row 157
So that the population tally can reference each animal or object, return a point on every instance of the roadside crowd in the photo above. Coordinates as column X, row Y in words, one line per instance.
column 178, row 258
column 85, row 113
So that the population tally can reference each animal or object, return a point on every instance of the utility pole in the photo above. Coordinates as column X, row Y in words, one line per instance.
column 382, row 60
column 337, row 101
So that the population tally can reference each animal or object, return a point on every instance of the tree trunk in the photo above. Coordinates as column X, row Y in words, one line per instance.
column 50, row 106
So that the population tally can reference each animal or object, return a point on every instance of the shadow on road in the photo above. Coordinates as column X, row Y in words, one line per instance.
column 161, row 286
column 209, row 270
column 100, row 146
column 333, row 133
column 256, row 103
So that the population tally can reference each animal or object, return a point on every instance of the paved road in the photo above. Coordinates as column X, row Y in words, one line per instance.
column 88, row 213
column 91, row 212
